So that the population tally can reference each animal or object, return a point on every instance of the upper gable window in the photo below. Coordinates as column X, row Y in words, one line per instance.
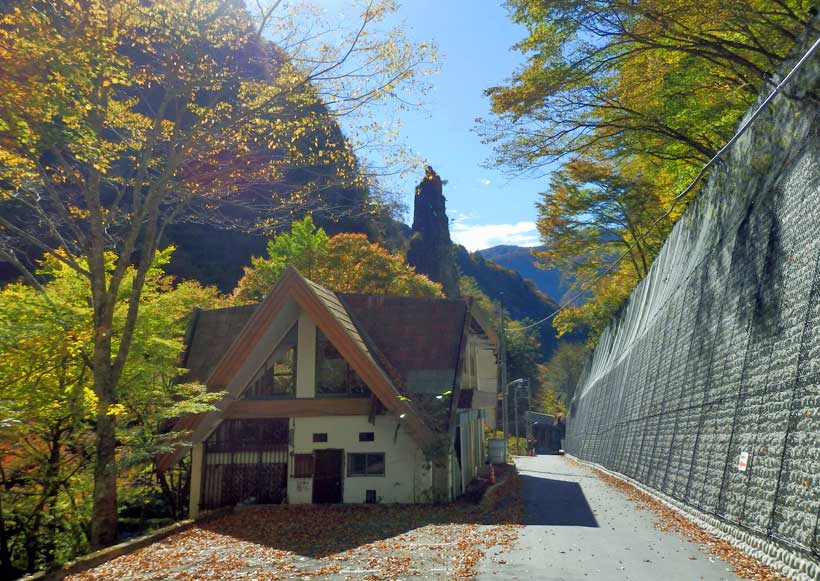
column 277, row 378
column 334, row 377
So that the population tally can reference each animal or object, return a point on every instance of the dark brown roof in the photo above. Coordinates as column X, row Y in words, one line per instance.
column 415, row 341
column 419, row 337
column 211, row 334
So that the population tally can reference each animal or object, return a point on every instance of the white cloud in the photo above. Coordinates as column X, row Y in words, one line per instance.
column 485, row 181
column 479, row 236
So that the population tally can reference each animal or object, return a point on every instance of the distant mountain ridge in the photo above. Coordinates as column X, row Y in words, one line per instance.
column 521, row 260
column 522, row 299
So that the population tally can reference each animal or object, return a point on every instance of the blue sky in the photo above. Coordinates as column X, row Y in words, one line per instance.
column 474, row 40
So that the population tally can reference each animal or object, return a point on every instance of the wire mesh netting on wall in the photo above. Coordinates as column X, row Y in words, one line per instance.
column 707, row 386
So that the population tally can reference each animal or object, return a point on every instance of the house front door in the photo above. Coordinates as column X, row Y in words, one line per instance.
column 327, row 476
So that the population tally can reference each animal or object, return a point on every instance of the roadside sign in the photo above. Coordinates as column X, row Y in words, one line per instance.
column 743, row 462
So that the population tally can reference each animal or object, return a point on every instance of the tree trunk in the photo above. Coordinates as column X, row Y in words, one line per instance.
column 52, row 490
column 5, row 555
column 36, row 539
column 104, row 510
column 175, row 488
column 167, row 492
column 104, row 517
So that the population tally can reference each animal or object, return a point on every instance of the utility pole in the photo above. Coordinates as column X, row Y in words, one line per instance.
column 502, row 364
column 515, row 411
column 505, row 396
column 525, row 383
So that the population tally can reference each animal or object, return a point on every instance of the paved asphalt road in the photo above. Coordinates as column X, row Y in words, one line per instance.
column 578, row 527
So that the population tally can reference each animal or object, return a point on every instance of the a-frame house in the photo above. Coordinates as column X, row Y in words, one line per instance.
column 337, row 397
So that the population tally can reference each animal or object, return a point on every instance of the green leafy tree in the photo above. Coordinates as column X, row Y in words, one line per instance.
column 523, row 341
column 523, row 356
column 118, row 117
column 664, row 79
column 343, row 263
column 631, row 98
column 468, row 286
column 559, row 377
column 523, row 351
column 594, row 213
column 49, row 403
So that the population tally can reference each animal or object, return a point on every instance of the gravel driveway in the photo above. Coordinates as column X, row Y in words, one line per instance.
column 325, row 542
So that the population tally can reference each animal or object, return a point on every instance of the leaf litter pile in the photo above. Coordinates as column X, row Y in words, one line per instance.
column 669, row 520
column 369, row 543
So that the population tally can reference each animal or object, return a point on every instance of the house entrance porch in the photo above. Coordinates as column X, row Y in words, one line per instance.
column 245, row 461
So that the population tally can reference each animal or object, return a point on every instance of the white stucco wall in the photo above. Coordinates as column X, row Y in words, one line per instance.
column 487, row 366
column 407, row 475
column 488, row 381
column 471, row 452
column 480, row 371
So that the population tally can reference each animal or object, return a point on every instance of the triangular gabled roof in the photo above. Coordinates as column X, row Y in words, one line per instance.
column 335, row 322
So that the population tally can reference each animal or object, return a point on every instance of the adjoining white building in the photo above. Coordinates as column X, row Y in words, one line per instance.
column 337, row 397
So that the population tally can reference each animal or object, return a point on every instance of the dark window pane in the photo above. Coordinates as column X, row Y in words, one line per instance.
column 303, row 465
column 249, row 434
column 365, row 464
column 320, row 437
column 277, row 378
column 283, row 385
column 275, row 432
column 330, row 368
column 366, row 436
column 375, row 464
column 331, row 377
column 334, row 377
column 263, row 384
column 357, row 385
column 357, row 464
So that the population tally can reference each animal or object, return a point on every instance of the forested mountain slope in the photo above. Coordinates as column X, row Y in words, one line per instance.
column 522, row 299
column 521, row 260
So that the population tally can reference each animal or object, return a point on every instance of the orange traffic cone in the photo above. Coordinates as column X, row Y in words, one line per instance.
column 492, row 474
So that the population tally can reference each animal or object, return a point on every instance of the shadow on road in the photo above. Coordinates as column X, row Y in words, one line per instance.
column 555, row 503
column 568, row 475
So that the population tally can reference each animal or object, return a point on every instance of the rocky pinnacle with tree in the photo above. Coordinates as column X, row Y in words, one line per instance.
column 431, row 250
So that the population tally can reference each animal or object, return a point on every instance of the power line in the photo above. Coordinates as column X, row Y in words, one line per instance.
column 688, row 188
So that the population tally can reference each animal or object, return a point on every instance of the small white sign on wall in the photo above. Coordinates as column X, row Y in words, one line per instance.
column 743, row 461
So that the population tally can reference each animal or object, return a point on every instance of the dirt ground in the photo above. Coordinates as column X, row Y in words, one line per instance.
column 370, row 543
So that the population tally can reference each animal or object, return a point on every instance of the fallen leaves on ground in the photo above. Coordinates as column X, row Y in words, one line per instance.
column 371, row 543
column 670, row 520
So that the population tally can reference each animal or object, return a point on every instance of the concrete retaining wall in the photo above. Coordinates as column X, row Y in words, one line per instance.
column 706, row 388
